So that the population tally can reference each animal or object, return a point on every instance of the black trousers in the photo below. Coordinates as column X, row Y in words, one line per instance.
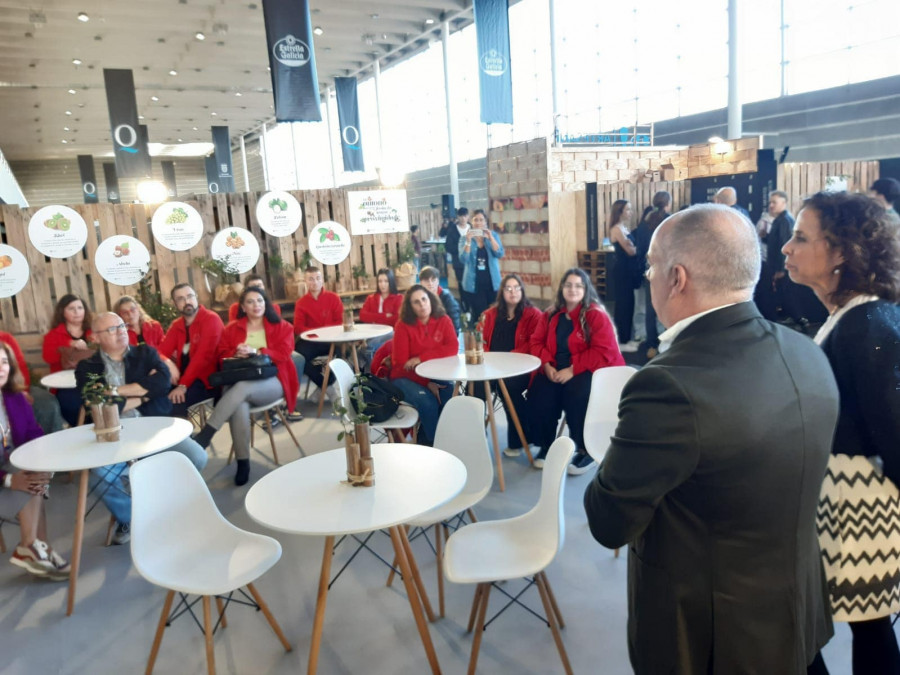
column 310, row 351
column 546, row 400
column 650, row 318
column 516, row 386
column 764, row 296
column 623, row 312
column 874, row 649
column 195, row 393
column 481, row 299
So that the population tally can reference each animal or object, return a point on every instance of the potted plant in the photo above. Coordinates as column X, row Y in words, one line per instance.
column 355, row 434
column 361, row 276
column 104, row 408
column 405, row 271
column 222, row 279
column 473, row 336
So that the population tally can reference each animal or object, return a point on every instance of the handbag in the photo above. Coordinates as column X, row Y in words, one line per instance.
column 255, row 367
column 382, row 397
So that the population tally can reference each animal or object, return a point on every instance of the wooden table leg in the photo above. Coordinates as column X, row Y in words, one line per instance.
column 511, row 409
column 326, row 374
column 417, row 579
column 355, row 357
column 490, row 409
column 456, row 387
column 77, row 538
column 397, row 536
column 322, row 598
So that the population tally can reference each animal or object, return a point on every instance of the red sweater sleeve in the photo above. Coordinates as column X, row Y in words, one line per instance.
column 19, row 356
column 487, row 330
column 528, row 324
column 538, row 342
column 153, row 333
column 279, row 341
column 57, row 337
column 400, row 350
column 603, row 349
column 369, row 312
column 235, row 333
column 232, row 312
column 204, row 344
column 336, row 309
column 299, row 316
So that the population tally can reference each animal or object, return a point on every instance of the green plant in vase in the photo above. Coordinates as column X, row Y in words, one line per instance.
column 104, row 407
column 355, row 434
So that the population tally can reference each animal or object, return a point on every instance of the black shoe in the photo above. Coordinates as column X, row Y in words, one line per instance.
column 243, row 472
column 295, row 416
column 204, row 436
column 539, row 458
column 581, row 462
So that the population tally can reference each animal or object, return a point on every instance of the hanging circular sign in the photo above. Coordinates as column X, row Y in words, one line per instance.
column 177, row 226
column 57, row 231
column 122, row 260
column 279, row 214
column 329, row 242
column 237, row 248
column 13, row 271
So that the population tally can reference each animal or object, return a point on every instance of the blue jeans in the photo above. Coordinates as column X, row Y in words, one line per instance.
column 426, row 404
column 117, row 497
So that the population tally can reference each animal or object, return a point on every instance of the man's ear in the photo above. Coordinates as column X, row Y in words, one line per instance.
column 679, row 279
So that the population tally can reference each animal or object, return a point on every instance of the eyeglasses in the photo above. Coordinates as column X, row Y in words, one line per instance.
column 573, row 286
column 112, row 330
column 512, row 289
column 189, row 296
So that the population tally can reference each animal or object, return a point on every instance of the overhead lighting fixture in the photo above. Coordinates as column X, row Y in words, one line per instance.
column 152, row 192
column 213, row 113
column 318, row 30
column 154, row 98
column 180, row 141
column 237, row 93
column 194, row 128
column 64, row 140
column 65, row 128
column 71, row 91
column 374, row 16
column 716, row 139
column 173, row 72
column 77, row 62
column 68, row 112
column 140, row 117
column 84, row 18
column 200, row 36
column 428, row 22
column 390, row 177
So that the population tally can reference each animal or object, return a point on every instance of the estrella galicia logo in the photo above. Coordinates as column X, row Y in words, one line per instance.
column 291, row 52
column 350, row 134
column 493, row 63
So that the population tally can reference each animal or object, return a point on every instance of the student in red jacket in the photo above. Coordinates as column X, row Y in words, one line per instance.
column 317, row 309
column 66, row 344
column 381, row 307
column 507, row 326
column 257, row 330
column 424, row 332
column 574, row 338
column 44, row 404
column 191, row 343
column 142, row 330
column 251, row 281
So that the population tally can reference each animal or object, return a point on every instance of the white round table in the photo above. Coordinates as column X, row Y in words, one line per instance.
column 307, row 497
column 496, row 366
column 61, row 379
column 77, row 449
column 335, row 335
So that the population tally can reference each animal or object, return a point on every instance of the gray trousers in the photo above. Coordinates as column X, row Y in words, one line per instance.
column 234, row 408
column 46, row 409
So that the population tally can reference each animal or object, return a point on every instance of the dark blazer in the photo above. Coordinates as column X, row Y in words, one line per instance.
column 713, row 477
column 140, row 361
column 451, row 306
column 781, row 230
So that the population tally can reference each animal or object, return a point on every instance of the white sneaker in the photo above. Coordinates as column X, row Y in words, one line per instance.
column 629, row 347
column 512, row 452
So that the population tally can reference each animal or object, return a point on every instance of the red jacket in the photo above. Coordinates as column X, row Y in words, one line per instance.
column 206, row 332
column 310, row 312
column 531, row 317
column 390, row 313
column 381, row 360
column 19, row 356
column 152, row 332
column 603, row 350
column 233, row 310
column 433, row 340
column 55, row 339
column 279, row 346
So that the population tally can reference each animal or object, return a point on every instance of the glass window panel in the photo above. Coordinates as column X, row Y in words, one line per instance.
column 817, row 72
column 874, row 60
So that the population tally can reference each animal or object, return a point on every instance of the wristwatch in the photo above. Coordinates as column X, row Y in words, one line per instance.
column 7, row 481
column 114, row 391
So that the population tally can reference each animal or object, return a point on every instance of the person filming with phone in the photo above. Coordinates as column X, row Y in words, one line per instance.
column 480, row 252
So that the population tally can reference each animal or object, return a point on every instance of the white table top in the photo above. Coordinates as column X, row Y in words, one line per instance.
column 496, row 365
column 307, row 496
column 61, row 379
column 77, row 448
column 361, row 331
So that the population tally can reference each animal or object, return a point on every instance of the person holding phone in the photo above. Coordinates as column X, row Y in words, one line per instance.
column 480, row 252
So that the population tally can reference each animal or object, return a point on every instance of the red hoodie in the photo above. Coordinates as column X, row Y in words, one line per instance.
column 151, row 331
column 603, row 350
column 206, row 332
column 310, row 312
column 531, row 317
column 432, row 340
column 390, row 310
column 55, row 339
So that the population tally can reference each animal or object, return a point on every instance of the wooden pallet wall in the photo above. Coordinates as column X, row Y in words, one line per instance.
column 802, row 179
column 429, row 222
column 31, row 309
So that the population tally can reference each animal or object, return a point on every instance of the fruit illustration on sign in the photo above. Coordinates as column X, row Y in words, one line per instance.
column 278, row 205
column 234, row 241
column 327, row 234
column 5, row 261
column 58, row 222
column 178, row 215
column 121, row 249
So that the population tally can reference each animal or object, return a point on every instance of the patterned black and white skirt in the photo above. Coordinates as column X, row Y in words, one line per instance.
column 859, row 534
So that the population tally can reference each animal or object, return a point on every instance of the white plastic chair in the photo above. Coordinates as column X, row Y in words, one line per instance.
column 181, row 542
column 406, row 416
column 487, row 552
column 603, row 408
column 277, row 407
column 459, row 432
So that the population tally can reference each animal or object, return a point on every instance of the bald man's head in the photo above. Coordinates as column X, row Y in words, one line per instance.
column 726, row 196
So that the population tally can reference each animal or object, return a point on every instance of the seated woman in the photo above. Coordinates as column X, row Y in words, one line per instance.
column 381, row 307
column 257, row 330
column 480, row 252
column 424, row 332
column 142, row 330
column 508, row 326
column 65, row 345
column 22, row 492
column 574, row 338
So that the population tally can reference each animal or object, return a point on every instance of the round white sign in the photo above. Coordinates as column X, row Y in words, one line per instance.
column 329, row 242
column 177, row 226
column 237, row 248
column 13, row 271
column 57, row 231
column 279, row 214
column 122, row 260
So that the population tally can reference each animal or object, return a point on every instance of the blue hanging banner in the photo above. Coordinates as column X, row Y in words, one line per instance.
column 88, row 179
column 212, row 174
column 348, row 119
column 168, row 169
column 494, row 74
column 132, row 160
column 222, row 153
column 112, row 183
column 292, row 60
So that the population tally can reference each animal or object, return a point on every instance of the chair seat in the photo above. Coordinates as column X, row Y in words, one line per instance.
column 405, row 417
column 494, row 550
column 267, row 406
column 214, row 566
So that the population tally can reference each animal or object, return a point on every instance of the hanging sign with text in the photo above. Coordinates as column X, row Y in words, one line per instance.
column 13, row 271
column 57, row 231
column 279, row 213
column 177, row 226
column 237, row 248
column 378, row 211
column 122, row 260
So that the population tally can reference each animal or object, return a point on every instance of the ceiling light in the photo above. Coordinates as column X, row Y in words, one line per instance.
column 140, row 117
column 173, row 72
column 68, row 112
column 154, row 98
column 374, row 16
column 84, row 18
column 715, row 139
column 237, row 93
column 180, row 141
column 428, row 22
column 214, row 113
column 194, row 128
column 152, row 192
column 64, row 140
column 77, row 62
column 199, row 35
column 65, row 128
column 318, row 30
column 71, row 91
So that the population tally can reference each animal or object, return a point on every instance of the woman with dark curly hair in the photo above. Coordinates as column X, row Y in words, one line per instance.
column 843, row 247
column 67, row 343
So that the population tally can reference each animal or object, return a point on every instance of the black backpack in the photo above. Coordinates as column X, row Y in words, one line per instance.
column 382, row 397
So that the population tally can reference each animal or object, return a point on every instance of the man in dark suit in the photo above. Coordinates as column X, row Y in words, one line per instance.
column 714, row 471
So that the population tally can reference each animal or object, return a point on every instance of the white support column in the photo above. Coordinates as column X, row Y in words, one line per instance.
column 735, row 112
column 334, row 180
column 294, row 155
column 244, row 164
column 264, row 149
column 454, row 170
column 554, row 84
column 376, row 67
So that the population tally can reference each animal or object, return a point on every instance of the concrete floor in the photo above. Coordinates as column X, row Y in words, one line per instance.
column 368, row 627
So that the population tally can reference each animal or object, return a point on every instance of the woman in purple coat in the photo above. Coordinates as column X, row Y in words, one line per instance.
column 22, row 493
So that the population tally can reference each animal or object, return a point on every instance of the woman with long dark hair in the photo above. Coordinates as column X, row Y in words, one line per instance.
column 382, row 307
column 844, row 247
column 659, row 211
column 574, row 338
column 257, row 330
column 480, row 252
column 67, row 343
column 623, row 273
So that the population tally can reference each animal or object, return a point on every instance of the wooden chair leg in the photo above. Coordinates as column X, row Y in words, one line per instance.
column 271, row 436
column 562, row 624
column 479, row 628
column 269, row 617
column 2, row 543
column 157, row 639
column 221, row 609
column 472, row 517
column 110, row 529
column 393, row 571
column 208, row 633
column 616, row 554
column 81, row 417
column 476, row 603
column 284, row 421
column 439, row 558
column 551, row 617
